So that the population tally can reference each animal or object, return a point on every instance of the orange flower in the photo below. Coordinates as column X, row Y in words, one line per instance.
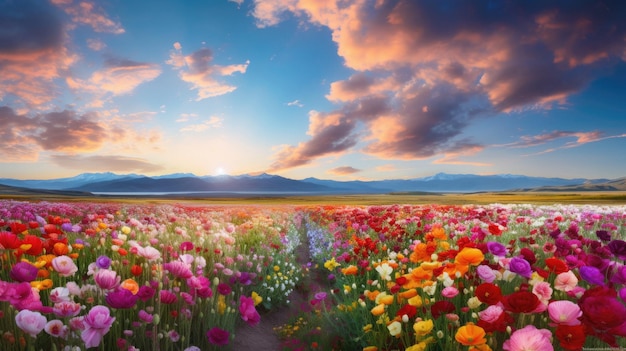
column 378, row 310
column 408, row 293
column 469, row 256
column 60, row 249
column 130, row 285
column 350, row 270
column 471, row 335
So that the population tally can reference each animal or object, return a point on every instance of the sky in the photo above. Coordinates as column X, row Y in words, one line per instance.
column 333, row 89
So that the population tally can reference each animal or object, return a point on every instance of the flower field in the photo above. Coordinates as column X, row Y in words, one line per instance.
column 101, row 276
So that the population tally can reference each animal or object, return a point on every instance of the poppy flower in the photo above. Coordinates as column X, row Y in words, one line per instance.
column 469, row 256
column 571, row 337
column 529, row 338
column 470, row 335
column 442, row 307
column 9, row 241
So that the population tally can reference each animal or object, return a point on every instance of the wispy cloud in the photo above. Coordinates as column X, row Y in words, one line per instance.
column 199, row 70
column 344, row 170
column 88, row 13
column 579, row 139
column 296, row 103
column 96, row 44
column 101, row 163
column 212, row 122
column 427, row 70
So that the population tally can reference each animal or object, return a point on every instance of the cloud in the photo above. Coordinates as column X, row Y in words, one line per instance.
column 213, row 122
column 345, row 170
column 453, row 155
column 112, row 163
column 96, row 44
column 580, row 138
column 199, row 70
column 386, row 168
column 432, row 67
column 118, row 77
column 32, row 52
column 15, row 145
column 296, row 103
column 87, row 13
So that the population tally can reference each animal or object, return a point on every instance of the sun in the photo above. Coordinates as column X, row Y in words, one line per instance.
column 220, row 171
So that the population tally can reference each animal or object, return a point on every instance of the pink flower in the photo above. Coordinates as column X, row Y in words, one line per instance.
column 64, row 265
column 31, row 323
column 167, row 297
column 107, row 279
column 565, row 281
column 564, row 312
column 491, row 314
column 146, row 317
column 178, row 269
column 543, row 291
column 59, row 294
column 57, row 329
column 97, row 323
column 248, row 311
column 66, row 309
column 529, row 338
column 449, row 292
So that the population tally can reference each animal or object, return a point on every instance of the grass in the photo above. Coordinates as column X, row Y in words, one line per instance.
column 596, row 198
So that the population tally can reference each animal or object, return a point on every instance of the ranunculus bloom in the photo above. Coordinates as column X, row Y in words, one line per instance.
column 178, row 269
column 247, row 310
column 488, row 293
column 563, row 312
column 520, row 266
column 469, row 256
column 592, row 275
column 395, row 328
column 218, row 336
column 529, row 338
column 107, row 279
column 23, row 272
column 103, row 262
column 224, row 289
column 422, row 328
column 565, row 281
column 97, row 323
column 121, row 298
column 556, row 265
column 57, row 329
column 31, row 323
column 485, row 273
column 496, row 248
column 522, row 302
column 66, row 309
column 470, row 335
column 408, row 310
column 602, row 312
column 64, row 265
column 442, row 307
column 449, row 292
column 618, row 248
column 571, row 337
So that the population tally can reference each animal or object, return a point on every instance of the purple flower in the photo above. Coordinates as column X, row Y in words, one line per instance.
column 496, row 249
column 592, row 275
column 218, row 336
column 520, row 266
column 603, row 235
column 23, row 272
column 618, row 248
column 121, row 298
column 103, row 262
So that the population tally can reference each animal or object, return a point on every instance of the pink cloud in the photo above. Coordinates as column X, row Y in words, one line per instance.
column 580, row 138
column 199, row 70
column 87, row 13
column 345, row 170
column 101, row 163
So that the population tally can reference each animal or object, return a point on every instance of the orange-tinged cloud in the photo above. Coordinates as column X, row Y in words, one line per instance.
column 199, row 70
column 108, row 163
column 495, row 57
column 344, row 170
column 88, row 13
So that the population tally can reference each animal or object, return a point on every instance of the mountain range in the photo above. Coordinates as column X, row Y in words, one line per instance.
column 106, row 183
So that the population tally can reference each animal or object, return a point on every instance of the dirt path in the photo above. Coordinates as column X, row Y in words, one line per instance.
column 262, row 337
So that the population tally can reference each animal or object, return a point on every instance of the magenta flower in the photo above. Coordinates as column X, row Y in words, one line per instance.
column 121, row 298
column 564, row 312
column 31, row 323
column 224, row 289
column 103, row 262
column 618, row 248
column 66, row 309
column 248, row 311
column 146, row 317
column 529, row 338
column 23, row 272
column 167, row 297
column 496, row 249
column 218, row 336
column 97, row 323
column 449, row 292
column 592, row 275
column 145, row 293
column 178, row 269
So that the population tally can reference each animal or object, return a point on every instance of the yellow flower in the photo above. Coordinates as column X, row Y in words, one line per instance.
column 378, row 310
column 276, row 268
column 331, row 264
column 421, row 346
column 221, row 304
column 367, row 328
column 257, row 298
column 416, row 301
column 423, row 327
column 370, row 348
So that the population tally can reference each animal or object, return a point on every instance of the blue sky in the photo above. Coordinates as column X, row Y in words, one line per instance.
column 336, row 89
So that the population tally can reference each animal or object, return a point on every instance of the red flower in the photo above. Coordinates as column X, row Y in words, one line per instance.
column 555, row 265
column 521, row 302
column 529, row 255
column 441, row 307
column 488, row 293
column 571, row 337
column 9, row 241
column 407, row 309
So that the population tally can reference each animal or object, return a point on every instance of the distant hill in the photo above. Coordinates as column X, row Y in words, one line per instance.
column 266, row 183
